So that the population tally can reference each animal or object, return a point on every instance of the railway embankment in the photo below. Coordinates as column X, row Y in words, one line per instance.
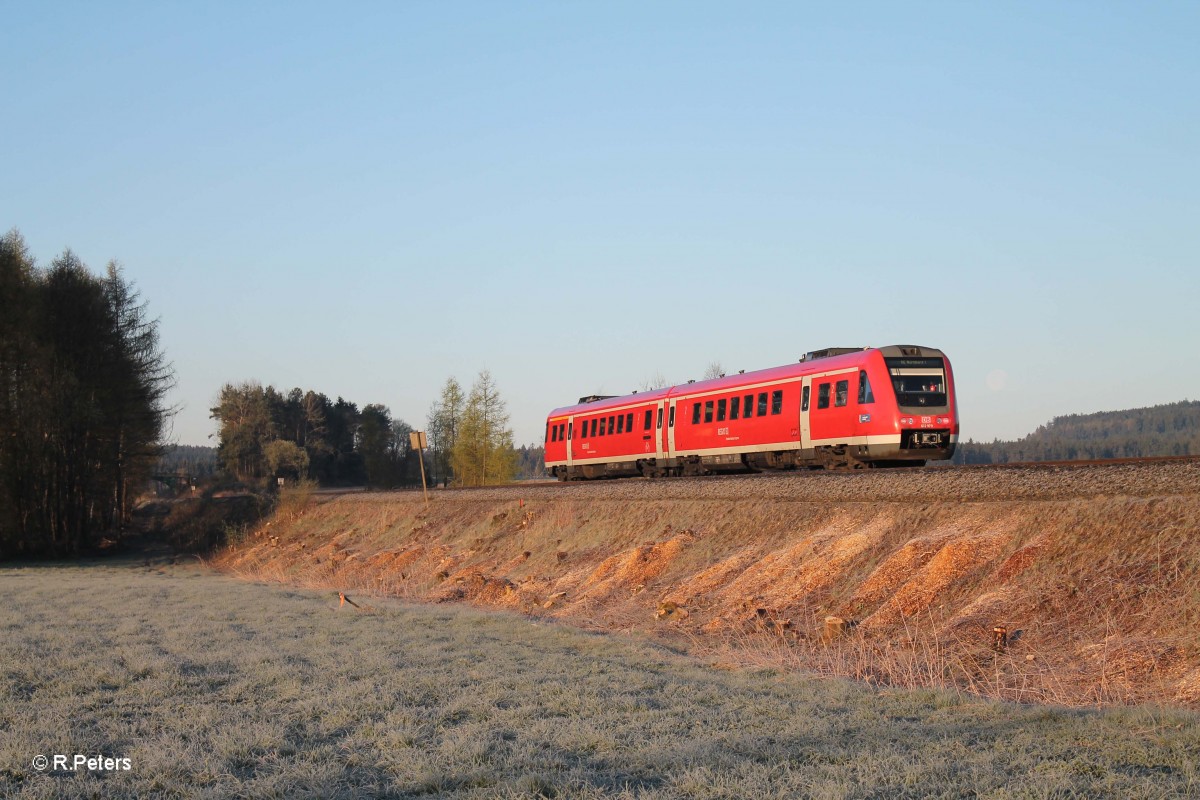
column 1073, row 585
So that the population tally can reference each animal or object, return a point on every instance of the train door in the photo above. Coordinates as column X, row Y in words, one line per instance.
column 805, row 402
column 659, row 433
column 570, row 441
column 671, row 428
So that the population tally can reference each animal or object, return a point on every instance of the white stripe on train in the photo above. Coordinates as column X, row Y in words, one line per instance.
column 892, row 439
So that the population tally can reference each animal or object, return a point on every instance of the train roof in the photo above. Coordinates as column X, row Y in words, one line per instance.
column 612, row 402
column 815, row 361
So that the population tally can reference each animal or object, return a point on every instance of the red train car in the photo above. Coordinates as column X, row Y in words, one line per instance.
column 836, row 408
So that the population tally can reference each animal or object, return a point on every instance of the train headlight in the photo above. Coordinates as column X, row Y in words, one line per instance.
column 943, row 420
column 906, row 420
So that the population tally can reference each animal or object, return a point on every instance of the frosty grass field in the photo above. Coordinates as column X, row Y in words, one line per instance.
column 213, row 687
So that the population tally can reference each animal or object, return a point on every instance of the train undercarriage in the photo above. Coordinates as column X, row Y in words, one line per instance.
column 920, row 447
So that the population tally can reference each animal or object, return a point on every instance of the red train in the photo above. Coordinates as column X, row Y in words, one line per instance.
column 836, row 408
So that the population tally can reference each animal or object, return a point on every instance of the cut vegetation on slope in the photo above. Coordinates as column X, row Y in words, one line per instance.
column 1091, row 572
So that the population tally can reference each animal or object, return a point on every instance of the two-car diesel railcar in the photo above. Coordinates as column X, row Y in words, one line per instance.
column 836, row 408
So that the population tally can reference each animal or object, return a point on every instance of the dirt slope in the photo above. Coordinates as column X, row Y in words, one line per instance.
column 1092, row 571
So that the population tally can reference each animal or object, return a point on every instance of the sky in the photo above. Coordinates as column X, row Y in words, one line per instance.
column 365, row 199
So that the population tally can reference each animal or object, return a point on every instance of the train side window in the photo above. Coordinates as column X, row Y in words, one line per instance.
column 865, row 395
column 671, row 423
column 603, row 426
column 595, row 420
column 777, row 401
column 620, row 423
column 612, row 427
column 708, row 410
column 554, row 434
column 762, row 404
column 570, row 429
column 842, row 394
column 629, row 422
column 696, row 413
column 804, row 399
column 749, row 406
column 548, row 439
column 649, row 420
column 735, row 405
column 722, row 405
column 660, row 418
column 823, row 396
column 562, row 431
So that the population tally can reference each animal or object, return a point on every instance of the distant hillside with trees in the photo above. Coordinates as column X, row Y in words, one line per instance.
column 531, row 462
column 1167, row 430
column 187, row 459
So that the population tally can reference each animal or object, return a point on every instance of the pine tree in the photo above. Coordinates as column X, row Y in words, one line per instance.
column 245, row 429
column 82, row 383
column 378, row 443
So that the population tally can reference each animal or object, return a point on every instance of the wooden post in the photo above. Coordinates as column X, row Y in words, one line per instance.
column 424, row 488
column 417, row 442
column 834, row 628
column 999, row 638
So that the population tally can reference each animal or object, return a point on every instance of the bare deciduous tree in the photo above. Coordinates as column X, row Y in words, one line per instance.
column 443, row 421
column 655, row 381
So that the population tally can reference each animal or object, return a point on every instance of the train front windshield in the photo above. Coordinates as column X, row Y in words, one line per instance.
column 918, row 382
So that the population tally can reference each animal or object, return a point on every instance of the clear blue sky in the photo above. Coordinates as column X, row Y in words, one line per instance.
column 364, row 199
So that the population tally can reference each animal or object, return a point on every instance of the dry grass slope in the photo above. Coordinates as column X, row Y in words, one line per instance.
column 1091, row 570
column 215, row 687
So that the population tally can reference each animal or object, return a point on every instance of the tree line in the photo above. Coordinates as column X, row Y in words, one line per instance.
column 196, row 461
column 83, row 383
column 531, row 461
column 265, row 435
column 83, row 414
column 1172, row 429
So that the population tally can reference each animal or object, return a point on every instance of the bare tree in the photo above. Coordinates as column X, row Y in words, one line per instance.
column 714, row 370
column 655, row 381
column 443, row 422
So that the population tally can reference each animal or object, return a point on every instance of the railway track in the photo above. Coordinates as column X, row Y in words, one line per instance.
column 934, row 468
column 1092, row 462
column 1077, row 463
column 1079, row 480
